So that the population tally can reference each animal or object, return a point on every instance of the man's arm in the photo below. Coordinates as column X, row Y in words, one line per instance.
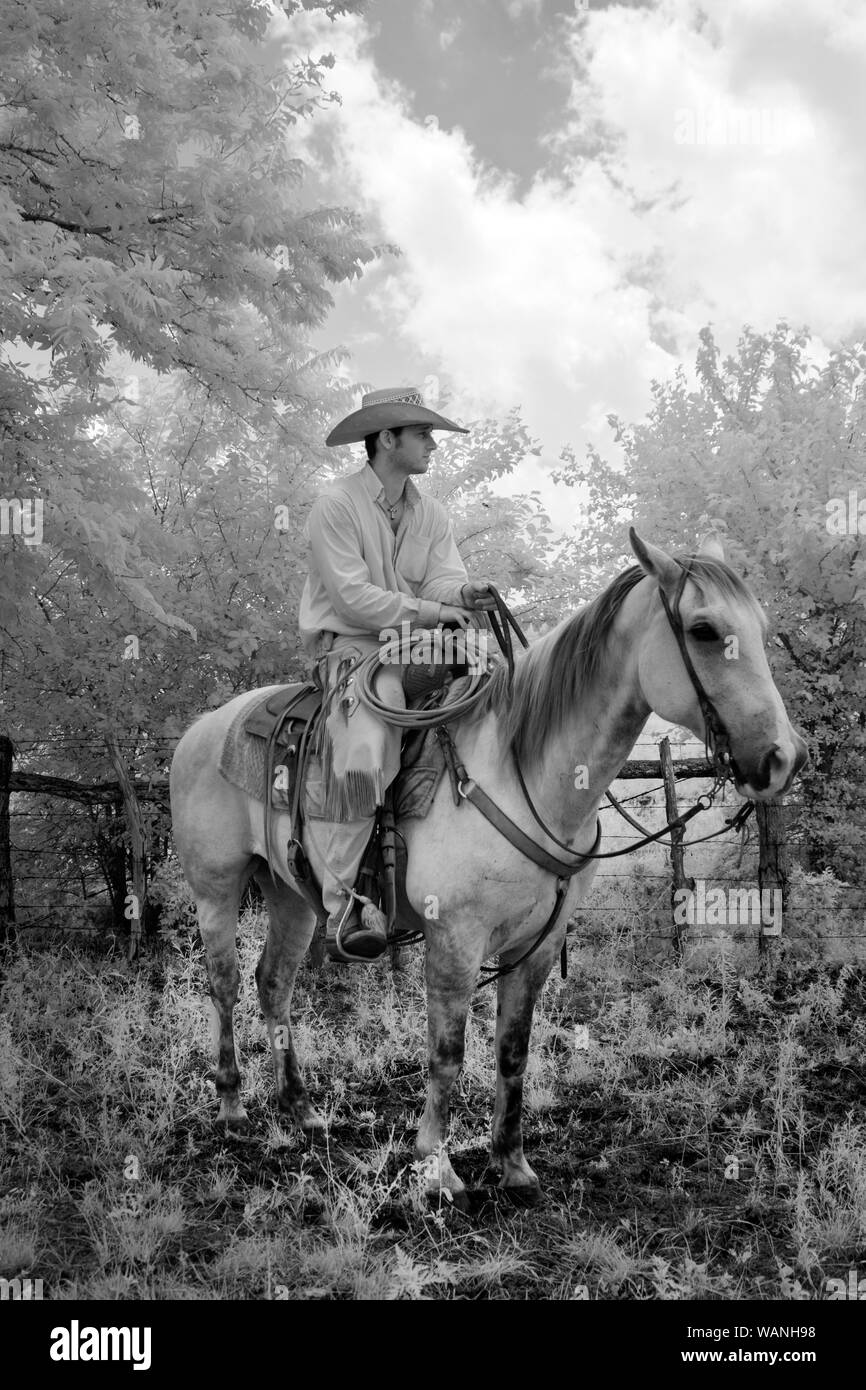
column 446, row 574
column 335, row 545
column 446, row 578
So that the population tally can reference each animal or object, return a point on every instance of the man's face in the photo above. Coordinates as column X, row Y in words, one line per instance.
column 413, row 447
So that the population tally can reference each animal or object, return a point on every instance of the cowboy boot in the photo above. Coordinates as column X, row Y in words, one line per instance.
column 356, row 935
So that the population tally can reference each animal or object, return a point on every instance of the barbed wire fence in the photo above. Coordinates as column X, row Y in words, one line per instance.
column 72, row 841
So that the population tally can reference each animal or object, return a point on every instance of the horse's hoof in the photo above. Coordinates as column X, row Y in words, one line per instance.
column 442, row 1198
column 235, row 1119
column 236, row 1124
column 463, row 1201
column 303, row 1114
column 522, row 1194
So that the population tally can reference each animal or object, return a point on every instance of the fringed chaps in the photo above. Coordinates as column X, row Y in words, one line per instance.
column 360, row 754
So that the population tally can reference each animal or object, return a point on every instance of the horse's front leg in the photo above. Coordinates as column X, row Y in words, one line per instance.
column 516, row 1005
column 451, row 978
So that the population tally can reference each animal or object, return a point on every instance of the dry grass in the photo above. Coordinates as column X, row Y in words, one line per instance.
column 704, row 1139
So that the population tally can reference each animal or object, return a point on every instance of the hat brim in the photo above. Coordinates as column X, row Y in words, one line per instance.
column 373, row 418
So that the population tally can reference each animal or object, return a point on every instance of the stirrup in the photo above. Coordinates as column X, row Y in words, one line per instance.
column 371, row 918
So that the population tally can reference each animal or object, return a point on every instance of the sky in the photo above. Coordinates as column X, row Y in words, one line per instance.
column 577, row 190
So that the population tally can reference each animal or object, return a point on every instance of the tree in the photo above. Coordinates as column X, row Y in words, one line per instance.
column 155, row 242
column 150, row 213
column 149, row 190
column 768, row 448
column 505, row 538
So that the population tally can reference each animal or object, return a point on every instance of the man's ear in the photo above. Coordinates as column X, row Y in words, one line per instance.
column 654, row 561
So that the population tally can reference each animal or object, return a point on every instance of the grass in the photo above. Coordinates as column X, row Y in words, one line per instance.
column 698, row 1134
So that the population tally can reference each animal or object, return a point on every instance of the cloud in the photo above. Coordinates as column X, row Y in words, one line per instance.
column 449, row 34
column 518, row 300
column 518, row 8
column 708, row 167
column 732, row 126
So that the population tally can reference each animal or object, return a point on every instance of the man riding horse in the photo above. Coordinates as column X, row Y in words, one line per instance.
column 381, row 553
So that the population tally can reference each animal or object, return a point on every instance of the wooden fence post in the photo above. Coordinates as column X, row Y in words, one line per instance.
column 112, row 857
column 772, row 870
column 7, row 890
column 680, row 880
column 137, row 838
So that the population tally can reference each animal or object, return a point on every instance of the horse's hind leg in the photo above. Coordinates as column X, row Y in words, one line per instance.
column 291, row 928
column 518, row 993
column 218, row 923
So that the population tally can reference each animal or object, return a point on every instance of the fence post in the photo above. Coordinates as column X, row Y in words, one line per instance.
column 111, row 853
column 135, row 828
column 7, row 888
column 677, row 834
column 772, row 870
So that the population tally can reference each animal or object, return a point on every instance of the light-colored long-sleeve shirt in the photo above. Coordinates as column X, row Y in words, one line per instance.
column 362, row 577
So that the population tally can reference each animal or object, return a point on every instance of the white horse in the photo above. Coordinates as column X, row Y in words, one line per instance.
column 579, row 698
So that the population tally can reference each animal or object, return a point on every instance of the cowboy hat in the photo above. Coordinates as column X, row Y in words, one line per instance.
column 388, row 410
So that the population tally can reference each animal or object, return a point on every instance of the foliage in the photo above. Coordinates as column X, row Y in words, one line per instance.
column 506, row 538
column 162, row 266
column 152, row 225
column 759, row 449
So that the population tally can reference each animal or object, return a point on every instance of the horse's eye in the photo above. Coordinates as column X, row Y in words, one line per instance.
column 704, row 632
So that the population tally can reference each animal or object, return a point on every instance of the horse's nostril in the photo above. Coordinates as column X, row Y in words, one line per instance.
column 766, row 767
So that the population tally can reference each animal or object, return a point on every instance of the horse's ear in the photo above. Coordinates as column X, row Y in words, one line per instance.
column 653, row 561
column 711, row 546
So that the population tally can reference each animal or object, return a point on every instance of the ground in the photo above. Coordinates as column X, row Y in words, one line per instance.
column 699, row 1133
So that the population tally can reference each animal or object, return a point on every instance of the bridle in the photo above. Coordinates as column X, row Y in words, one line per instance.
column 717, row 744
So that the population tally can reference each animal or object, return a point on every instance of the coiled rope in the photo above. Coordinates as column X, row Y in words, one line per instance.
column 366, row 668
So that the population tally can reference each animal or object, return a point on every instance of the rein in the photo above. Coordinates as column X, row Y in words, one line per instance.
column 716, row 740
column 503, row 623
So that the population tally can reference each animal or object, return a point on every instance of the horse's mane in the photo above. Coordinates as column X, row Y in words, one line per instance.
column 555, row 672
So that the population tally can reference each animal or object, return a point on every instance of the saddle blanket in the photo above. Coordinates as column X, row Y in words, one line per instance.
column 242, row 757
column 242, row 762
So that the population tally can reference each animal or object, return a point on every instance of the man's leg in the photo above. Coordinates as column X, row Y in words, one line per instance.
column 340, row 846
column 363, row 743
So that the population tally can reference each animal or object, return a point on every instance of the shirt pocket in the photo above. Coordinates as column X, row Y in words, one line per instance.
column 413, row 556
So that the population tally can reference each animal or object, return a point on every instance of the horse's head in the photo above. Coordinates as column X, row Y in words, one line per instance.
column 724, row 629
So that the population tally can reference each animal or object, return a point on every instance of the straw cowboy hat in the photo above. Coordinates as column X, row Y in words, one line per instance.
column 388, row 410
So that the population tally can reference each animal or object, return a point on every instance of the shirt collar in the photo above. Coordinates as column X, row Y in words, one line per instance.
column 377, row 490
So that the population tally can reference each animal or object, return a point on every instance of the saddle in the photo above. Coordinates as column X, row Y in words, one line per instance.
column 287, row 722
column 285, row 713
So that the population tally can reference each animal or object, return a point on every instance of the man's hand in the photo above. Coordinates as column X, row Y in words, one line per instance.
column 476, row 594
column 450, row 614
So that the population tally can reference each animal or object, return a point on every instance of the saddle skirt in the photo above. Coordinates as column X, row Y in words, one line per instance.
column 286, row 712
